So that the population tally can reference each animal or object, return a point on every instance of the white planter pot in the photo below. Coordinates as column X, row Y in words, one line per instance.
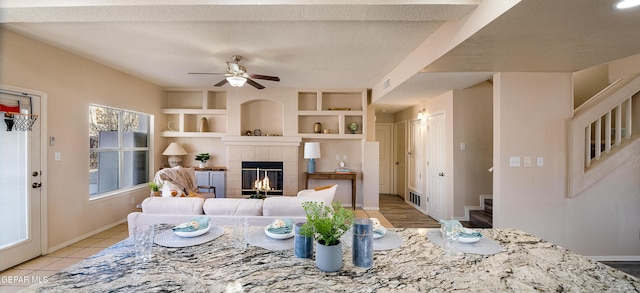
column 329, row 258
column 202, row 165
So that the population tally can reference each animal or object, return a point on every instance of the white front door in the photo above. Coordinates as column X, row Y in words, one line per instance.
column 400, row 158
column 383, row 136
column 436, row 166
column 20, row 178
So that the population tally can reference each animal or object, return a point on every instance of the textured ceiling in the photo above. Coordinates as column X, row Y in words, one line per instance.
column 328, row 44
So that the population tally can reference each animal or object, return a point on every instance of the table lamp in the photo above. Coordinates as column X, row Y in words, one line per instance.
column 174, row 150
column 312, row 152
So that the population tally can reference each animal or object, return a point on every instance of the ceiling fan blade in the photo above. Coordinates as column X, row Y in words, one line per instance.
column 254, row 84
column 221, row 83
column 209, row 73
column 265, row 77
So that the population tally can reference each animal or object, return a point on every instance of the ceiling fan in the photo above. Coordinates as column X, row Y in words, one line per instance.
column 237, row 75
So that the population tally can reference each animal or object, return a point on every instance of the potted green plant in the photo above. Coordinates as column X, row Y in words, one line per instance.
column 155, row 188
column 327, row 224
column 203, row 158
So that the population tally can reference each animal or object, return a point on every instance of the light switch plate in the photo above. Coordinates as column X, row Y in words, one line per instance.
column 527, row 162
column 540, row 161
column 514, row 161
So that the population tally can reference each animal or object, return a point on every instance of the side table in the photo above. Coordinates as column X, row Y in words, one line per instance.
column 334, row 176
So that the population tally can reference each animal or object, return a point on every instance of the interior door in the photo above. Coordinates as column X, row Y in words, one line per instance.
column 20, row 173
column 383, row 136
column 400, row 158
column 436, row 166
column 414, row 155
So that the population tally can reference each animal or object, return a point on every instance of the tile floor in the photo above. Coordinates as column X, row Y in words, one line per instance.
column 21, row 276
column 17, row 278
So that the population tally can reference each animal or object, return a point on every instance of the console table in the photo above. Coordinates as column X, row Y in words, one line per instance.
column 334, row 176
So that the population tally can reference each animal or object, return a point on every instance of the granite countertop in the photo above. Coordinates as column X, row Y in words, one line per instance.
column 527, row 263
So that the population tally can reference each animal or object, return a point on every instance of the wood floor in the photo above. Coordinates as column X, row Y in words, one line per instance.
column 402, row 215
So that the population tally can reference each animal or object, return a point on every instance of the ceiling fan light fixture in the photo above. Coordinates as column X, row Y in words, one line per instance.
column 623, row 4
column 236, row 81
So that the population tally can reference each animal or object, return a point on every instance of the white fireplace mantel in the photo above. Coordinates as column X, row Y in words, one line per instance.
column 262, row 140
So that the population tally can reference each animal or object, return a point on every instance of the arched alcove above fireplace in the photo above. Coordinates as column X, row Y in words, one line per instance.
column 262, row 117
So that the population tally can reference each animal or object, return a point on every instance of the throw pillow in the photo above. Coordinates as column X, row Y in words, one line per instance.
column 323, row 187
column 169, row 189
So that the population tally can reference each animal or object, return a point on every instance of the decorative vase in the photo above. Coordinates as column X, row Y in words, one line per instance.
column 204, row 125
column 317, row 127
column 329, row 258
column 302, row 245
column 362, row 253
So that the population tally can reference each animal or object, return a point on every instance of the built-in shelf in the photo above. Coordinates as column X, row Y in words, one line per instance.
column 335, row 110
column 185, row 110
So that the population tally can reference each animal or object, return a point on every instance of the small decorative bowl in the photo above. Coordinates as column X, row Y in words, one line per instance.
column 465, row 236
column 378, row 233
column 277, row 236
column 192, row 233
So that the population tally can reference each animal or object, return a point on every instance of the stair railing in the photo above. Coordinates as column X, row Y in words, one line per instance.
column 595, row 148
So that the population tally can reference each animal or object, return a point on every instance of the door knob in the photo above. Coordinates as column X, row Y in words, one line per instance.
column 441, row 174
column 34, row 173
column 36, row 185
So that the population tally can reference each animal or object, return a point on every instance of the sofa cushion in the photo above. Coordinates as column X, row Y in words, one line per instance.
column 285, row 206
column 233, row 207
column 173, row 205
column 325, row 195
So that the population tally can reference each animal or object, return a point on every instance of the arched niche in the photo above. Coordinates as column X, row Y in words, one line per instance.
column 266, row 115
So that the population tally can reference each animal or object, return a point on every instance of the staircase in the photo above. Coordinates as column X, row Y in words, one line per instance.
column 602, row 136
column 482, row 218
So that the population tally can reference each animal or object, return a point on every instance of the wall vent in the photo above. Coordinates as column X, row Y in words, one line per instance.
column 386, row 84
column 414, row 198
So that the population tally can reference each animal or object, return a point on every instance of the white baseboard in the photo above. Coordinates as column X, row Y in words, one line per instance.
column 84, row 236
column 615, row 257
column 371, row 208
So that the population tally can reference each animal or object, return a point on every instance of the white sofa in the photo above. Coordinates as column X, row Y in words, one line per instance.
column 175, row 210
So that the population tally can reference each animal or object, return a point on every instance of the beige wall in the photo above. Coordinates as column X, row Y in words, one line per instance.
column 531, row 111
column 384, row 118
column 472, row 125
column 588, row 82
column 72, row 83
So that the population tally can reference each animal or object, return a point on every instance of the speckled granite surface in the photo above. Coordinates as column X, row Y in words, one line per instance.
column 526, row 264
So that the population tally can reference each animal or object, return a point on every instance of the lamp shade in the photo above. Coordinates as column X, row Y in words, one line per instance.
column 311, row 150
column 236, row 81
column 174, row 149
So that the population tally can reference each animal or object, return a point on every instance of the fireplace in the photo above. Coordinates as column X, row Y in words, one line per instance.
column 254, row 174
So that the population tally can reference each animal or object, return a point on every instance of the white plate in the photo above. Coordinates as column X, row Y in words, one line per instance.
column 277, row 236
column 469, row 239
column 195, row 233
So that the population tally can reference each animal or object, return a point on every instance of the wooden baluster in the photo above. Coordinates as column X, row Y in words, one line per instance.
column 607, row 132
column 597, row 142
column 587, row 146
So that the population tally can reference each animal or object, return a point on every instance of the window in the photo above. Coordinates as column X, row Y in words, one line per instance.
column 118, row 149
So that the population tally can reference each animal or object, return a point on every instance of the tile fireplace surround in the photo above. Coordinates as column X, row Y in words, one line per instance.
column 269, row 149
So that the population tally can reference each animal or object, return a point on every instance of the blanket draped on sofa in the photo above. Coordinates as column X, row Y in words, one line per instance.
column 180, row 176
